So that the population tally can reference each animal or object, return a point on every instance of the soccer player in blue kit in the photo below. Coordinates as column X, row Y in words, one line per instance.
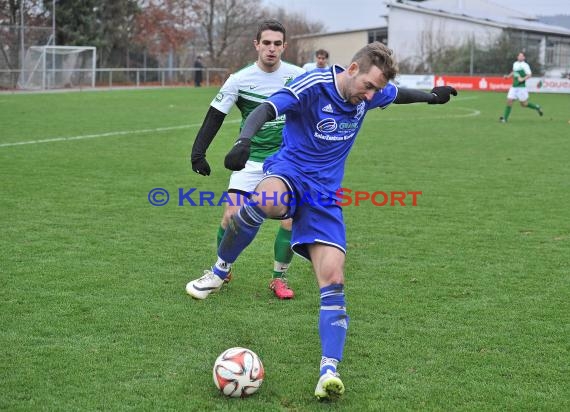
column 324, row 112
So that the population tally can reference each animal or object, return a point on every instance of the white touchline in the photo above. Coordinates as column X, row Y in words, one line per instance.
column 108, row 134
column 473, row 112
column 470, row 113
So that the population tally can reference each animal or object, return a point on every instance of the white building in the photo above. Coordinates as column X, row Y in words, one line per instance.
column 414, row 27
column 341, row 45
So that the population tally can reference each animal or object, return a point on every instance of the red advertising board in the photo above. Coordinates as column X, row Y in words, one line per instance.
column 484, row 83
column 474, row 83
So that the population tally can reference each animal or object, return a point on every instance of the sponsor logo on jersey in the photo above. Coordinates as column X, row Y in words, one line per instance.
column 327, row 125
column 219, row 97
column 348, row 125
column 327, row 108
column 288, row 79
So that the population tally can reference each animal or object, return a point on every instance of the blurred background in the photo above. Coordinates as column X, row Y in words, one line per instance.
column 69, row 43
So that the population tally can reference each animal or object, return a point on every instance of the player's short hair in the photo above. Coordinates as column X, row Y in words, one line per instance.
column 379, row 55
column 322, row 52
column 270, row 24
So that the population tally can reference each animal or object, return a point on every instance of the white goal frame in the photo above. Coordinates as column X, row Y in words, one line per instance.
column 42, row 71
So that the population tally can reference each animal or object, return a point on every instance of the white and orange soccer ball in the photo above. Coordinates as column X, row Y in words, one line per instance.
column 238, row 372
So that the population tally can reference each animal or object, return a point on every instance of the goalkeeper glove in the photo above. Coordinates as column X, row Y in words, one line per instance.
column 442, row 94
column 237, row 157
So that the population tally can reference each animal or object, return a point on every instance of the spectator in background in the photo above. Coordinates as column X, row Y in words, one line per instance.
column 198, row 73
column 321, row 61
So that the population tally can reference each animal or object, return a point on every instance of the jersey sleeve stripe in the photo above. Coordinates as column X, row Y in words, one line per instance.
column 277, row 114
column 311, row 80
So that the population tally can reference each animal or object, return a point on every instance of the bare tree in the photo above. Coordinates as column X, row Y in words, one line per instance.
column 226, row 24
column 13, row 32
column 165, row 27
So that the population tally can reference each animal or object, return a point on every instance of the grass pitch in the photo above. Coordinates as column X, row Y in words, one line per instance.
column 459, row 303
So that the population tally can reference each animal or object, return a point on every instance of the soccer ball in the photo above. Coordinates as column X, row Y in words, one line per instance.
column 238, row 372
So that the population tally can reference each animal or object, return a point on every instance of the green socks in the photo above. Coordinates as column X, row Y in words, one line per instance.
column 283, row 252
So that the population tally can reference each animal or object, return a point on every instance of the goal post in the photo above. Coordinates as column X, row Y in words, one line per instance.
column 57, row 67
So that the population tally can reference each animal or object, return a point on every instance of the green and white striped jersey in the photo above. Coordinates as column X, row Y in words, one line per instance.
column 247, row 89
column 521, row 69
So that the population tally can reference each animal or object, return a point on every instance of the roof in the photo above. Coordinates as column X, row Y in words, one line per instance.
column 309, row 35
column 483, row 12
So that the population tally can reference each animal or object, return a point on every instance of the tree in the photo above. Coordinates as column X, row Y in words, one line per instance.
column 439, row 54
column 76, row 22
column 222, row 30
column 105, row 24
column 227, row 28
column 12, row 32
column 164, row 27
column 225, row 24
column 115, row 29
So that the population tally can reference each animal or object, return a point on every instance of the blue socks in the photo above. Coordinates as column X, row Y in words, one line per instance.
column 333, row 324
column 242, row 229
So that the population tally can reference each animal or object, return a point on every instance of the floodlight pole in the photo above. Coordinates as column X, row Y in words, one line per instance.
column 53, row 75
column 53, row 22
column 22, row 49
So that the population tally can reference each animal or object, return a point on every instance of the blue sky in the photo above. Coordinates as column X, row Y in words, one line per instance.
column 357, row 14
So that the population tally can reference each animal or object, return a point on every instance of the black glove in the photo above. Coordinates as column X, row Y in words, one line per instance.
column 236, row 158
column 442, row 94
column 200, row 164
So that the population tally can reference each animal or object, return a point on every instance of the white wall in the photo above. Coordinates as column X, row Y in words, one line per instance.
column 341, row 46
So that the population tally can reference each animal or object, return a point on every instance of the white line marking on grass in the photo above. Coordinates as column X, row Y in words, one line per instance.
column 108, row 134
column 471, row 113
column 455, row 99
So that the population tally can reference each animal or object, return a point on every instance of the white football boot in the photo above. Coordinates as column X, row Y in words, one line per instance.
column 329, row 386
column 202, row 287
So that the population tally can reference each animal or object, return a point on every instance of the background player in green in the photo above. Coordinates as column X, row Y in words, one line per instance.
column 248, row 88
column 521, row 73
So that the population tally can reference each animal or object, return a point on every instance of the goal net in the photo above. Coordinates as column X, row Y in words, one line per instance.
column 56, row 67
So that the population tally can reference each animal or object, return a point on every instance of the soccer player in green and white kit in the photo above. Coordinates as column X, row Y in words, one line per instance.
column 247, row 89
column 521, row 73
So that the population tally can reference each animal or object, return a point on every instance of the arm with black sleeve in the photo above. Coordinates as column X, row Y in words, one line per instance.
column 210, row 126
column 438, row 95
column 238, row 155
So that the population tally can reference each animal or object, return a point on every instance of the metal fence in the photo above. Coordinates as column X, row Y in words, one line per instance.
column 128, row 77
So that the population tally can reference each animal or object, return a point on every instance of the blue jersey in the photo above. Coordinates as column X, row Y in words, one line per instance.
column 320, row 128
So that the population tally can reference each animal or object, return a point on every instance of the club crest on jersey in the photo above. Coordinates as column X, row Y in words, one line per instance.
column 360, row 109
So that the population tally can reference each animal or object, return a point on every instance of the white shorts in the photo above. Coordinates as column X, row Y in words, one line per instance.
column 247, row 178
column 518, row 93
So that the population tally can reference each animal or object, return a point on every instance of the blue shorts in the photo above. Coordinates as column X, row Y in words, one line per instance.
column 316, row 218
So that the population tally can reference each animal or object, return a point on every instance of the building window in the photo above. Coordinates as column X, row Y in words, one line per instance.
column 380, row 35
